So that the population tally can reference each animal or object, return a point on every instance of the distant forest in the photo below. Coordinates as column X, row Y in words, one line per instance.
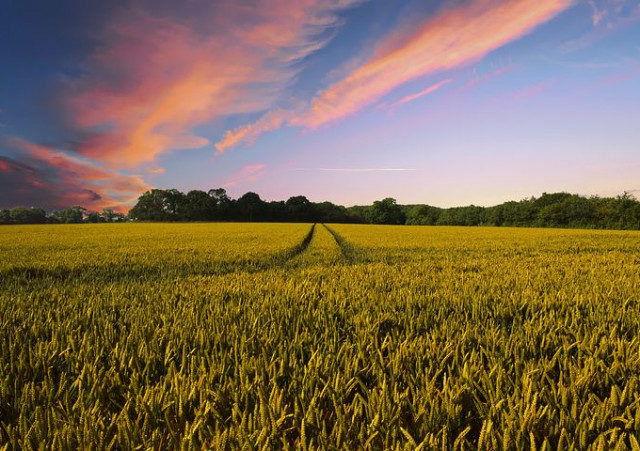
column 548, row 210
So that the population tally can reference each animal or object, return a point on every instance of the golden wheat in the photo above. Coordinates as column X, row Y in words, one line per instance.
column 287, row 336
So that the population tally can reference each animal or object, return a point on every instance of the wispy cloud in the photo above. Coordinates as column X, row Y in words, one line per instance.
column 52, row 178
column 606, row 17
column 357, row 169
column 452, row 38
column 249, row 173
column 620, row 76
column 612, row 79
column 417, row 95
column 154, row 78
column 598, row 13
column 531, row 90
column 478, row 79
column 449, row 39
column 247, row 134
column 612, row 13
column 156, row 170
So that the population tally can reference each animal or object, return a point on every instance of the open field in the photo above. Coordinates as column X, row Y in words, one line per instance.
column 346, row 336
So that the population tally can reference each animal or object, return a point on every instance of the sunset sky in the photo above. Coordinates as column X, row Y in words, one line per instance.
column 445, row 102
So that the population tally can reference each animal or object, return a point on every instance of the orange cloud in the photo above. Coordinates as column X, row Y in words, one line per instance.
column 272, row 120
column 156, row 170
column 355, row 170
column 417, row 95
column 531, row 91
column 64, row 180
column 452, row 38
column 155, row 79
column 480, row 79
column 249, row 173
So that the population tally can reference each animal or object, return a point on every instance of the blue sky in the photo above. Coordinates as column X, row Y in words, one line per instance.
column 447, row 103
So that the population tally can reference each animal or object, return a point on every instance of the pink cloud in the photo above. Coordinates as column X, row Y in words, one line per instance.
column 249, row 173
column 417, row 95
column 531, row 91
column 272, row 120
column 65, row 179
column 154, row 79
column 620, row 77
column 606, row 17
column 481, row 79
column 608, row 80
column 156, row 170
column 356, row 170
column 452, row 38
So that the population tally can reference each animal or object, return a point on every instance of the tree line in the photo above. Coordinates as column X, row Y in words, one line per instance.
column 548, row 210
column 71, row 215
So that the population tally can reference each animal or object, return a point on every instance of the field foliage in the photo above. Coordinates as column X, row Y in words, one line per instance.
column 270, row 336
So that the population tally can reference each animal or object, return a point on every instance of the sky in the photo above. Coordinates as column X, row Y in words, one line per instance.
column 448, row 103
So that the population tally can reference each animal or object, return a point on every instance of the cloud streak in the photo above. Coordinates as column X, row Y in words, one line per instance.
column 352, row 170
column 485, row 78
column 451, row 38
column 249, row 133
column 51, row 178
column 249, row 173
column 154, row 78
column 531, row 91
column 411, row 97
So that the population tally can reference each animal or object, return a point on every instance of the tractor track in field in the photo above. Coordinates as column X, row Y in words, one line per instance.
column 119, row 273
column 349, row 253
column 301, row 247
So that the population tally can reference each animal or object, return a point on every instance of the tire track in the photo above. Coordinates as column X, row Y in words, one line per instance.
column 300, row 248
column 350, row 253
column 122, row 273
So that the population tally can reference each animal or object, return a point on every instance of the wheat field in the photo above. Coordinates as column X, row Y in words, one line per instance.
column 272, row 336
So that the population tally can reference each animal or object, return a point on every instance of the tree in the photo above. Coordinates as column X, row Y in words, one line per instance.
column 329, row 212
column 386, row 211
column 175, row 204
column 150, row 207
column 200, row 206
column 219, row 195
column 24, row 215
column 223, row 205
column 160, row 205
column 299, row 209
column 108, row 215
column 423, row 215
column 93, row 217
column 249, row 206
column 463, row 216
column 571, row 210
column 71, row 215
